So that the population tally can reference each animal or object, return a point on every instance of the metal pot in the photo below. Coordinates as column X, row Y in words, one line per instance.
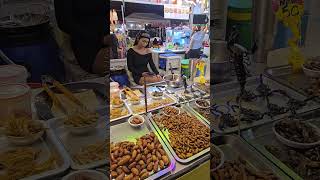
column 174, row 81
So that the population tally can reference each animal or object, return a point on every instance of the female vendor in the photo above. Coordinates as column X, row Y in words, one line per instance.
column 138, row 58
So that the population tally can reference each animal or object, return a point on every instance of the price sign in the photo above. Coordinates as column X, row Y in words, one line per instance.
column 290, row 13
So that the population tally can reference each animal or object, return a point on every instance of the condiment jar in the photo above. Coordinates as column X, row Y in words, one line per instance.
column 15, row 99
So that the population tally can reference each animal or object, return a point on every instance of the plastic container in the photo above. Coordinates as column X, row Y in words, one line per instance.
column 13, row 74
column 15, row 99
column 239, row 14
column 185, row 68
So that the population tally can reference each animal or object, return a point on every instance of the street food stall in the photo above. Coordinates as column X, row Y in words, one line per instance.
column 265, row 122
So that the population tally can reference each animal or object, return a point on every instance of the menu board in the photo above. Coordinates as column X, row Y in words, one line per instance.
column 176, row 12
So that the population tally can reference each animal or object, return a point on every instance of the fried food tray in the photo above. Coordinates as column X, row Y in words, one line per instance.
column 122, row 131
column 263, row 136
column 167, row 140
column 149, row 101
column 233, row 147
column 73, row 143
column 49, row 145
column 125, row 116
column 229, row 92
column 199, row 112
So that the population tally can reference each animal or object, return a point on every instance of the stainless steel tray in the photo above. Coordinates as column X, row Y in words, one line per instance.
column 263, row 136
column 43, row 102
column 128, row 115
column 167, row 140
column 73, row 143
column 122, row 131
column 178, row 94
column 48, row 144
column 149, row 101
column 285, row 76
column 197, row 111
column 233, row 147
column 230, row 91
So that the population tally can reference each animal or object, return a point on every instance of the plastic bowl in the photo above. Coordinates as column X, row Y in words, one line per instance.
column 174, row 108
column 221, row 157
column 81, row 130
column 202, row 107
column 310, row 72
column 136, row 125
column 92, row 174
column 293, row 144
column 28, row 140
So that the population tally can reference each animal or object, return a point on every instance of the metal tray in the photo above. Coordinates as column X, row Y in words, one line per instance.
column 229, row 91
column 122, row 131
column 178, row 94
column 196, row 111
column 285, row 76
column 167, row 141
column 233, row 147
column 43, row 102
column 73, row 143
column 264, row 136
column 48, row 144
column 149, row 100
column 128, row 115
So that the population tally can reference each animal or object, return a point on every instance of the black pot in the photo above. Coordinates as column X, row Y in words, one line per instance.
column 24, row 35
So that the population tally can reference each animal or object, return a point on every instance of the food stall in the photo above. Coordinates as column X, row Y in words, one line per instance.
column 265, row 122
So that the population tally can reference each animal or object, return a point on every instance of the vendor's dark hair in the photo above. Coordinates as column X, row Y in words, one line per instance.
column 142, row 34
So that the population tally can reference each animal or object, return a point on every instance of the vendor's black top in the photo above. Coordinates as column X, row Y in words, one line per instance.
column 138, row 63
column 87, row 24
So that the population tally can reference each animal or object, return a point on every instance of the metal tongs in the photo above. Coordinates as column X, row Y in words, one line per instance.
column 47, row 79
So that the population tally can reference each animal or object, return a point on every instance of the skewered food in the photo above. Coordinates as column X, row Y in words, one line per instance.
column 22, row 127
column 187, row 135
column 239, row 169
column 130, row 94
column 138, row 160
column 92, row 153
column 81, row 119
column 297, row 131
column 314, row 89
column 23, row 162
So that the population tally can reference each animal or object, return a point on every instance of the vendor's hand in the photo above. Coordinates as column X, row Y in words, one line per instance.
column 187, row 51
column 144, row 74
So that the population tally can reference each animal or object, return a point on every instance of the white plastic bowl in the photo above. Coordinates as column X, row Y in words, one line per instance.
column 202, row 107
column 136, row 125
column 82, row 129
column 28, row 140
column 96, row 175
column 296, row 144
column 221, row 157
column 310, row 73
column 174, row 108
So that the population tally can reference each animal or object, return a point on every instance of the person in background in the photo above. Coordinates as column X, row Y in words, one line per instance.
column 138, row 58
column 196, row 41
column 87, row 25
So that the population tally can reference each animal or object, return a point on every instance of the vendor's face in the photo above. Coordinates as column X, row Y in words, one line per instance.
column 143, row 42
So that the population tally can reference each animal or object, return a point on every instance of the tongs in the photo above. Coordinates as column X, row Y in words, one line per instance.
column 64, row 90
